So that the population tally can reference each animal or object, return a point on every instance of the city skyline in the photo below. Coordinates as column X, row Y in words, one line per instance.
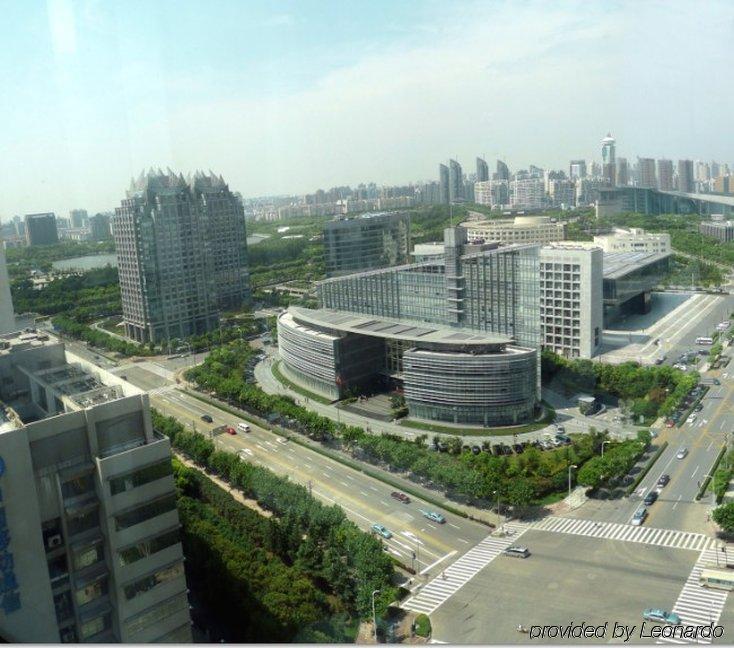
column 103, row 93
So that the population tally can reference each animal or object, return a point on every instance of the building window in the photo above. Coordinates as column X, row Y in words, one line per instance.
column 148, row 547
column 95, row 626
column 156, row 614
column 145, row 512
column 91, row 591
column 83, row 522
column 140, row 477
column 152, row 580
column 88, row 556
column 77, row 486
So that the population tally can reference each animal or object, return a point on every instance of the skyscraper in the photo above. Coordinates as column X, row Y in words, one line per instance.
column 99, row 227
column 609, row 170
column 7, row 318
column 623, row 175
column 577, row 169
column 456, row 182
column 443, row 183
column 482, row 170
column 503, row 172
column 78, row 218
column 646, row 173
column 40, row 229
column 167, row 233
column 685, row 176
column 665, row 175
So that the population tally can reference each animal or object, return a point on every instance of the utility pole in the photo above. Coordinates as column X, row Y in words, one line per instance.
column 374, row 616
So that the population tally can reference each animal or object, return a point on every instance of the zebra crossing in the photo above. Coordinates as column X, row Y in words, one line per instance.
column 454, row 577
column 625, row 532
column 165, row 389
column 698, row 605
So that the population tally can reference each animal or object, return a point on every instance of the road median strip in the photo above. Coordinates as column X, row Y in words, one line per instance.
column 334, row 456
column 646, row 469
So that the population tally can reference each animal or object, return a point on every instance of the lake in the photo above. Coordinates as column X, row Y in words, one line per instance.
column 88, row 262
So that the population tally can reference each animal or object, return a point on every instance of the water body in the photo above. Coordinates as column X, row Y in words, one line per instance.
column 89, row 262
column 257, row 238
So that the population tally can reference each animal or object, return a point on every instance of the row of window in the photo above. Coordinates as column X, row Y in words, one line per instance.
column 150, row 581
column 148, row 547
column 145, row 512
column 139, row 477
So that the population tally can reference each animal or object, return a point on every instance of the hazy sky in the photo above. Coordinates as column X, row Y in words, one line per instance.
column 287, row 97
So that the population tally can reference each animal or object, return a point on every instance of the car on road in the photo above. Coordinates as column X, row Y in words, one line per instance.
column 639, row 517
column 231, row 430
column 661, row 616
column 434, row 517
column 381, row 530
column 401, row 497
column 691, row 419
column 698, row 407
column 243, row 426
column 663, row 480
column 563, row 438
column 516, row 551
column 681, row 454
column 650, row 498
column 560, row 428
column 207, row 418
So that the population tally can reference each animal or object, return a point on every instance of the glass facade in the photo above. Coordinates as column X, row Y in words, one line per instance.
column 140, row 477
column 150, row 581
column 145, row 512
column 148, row 547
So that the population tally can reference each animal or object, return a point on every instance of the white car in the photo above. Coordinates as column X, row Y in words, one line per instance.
column 681, row 454
column 639, row 517
column 691, row 418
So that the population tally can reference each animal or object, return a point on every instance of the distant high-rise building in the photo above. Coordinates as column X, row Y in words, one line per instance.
column 577, row 169
column 702, row 171
column 167, row 232
column 366, row 242
column 623, row 174
column 78, row 218
column 595, row 170
column 715, row 170
column 19, row 226
column 665, row 175
column 99, row 227
column 609, row 169
column 646, row 173
column 493, row 193
column 503, row 172
column 482, row 170
column 562, row 192
column 528, row 193
column 685, row 176
column 443, row 183
column 7, row 317
column 40, row 229
column 456, row 182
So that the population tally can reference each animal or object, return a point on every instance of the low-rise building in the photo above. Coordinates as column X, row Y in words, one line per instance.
column 89, row 533
column 634, row 239
column 721, row 230
column 521, row 229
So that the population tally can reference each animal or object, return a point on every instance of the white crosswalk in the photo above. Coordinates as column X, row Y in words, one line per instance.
column 459, row 573
column 625, row 532
column 698, row 605
column 165, row 389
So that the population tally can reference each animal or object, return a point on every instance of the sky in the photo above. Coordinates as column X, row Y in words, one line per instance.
column 285, row 97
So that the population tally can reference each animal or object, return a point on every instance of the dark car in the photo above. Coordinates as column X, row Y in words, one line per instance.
column 663, row 480
column 698, row 407
column 518, row 448
column 401, row 497
column 650, row 498
column 476, row 449
column 207, row 418
column 496, row 449
column 506, row 449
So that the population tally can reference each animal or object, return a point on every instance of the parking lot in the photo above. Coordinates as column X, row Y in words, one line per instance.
column 567, row 579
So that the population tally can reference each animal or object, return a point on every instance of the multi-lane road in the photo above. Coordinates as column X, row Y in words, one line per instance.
column 364, row 499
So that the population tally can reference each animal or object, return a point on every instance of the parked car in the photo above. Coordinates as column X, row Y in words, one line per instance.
column 682, row 452
column 691, row 419
column 381, row 530
column 669, row 423
column 243, row 426
column 401, row 497
column 518, row 448
column 563, row 438
column 231, row 430
column 560, row 428
column 516, row 551
column 434, row 517
column 639, row 517
column 698, row 407
column 661, row 616
column 476, row 449
column 207, row 418
column 650, row 498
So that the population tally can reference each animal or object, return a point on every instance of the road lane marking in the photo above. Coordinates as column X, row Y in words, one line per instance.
column 676, row 501
column 363, row 493
column 455, row 527
column 325, row 474
column 462, row 540
column 695, row 471
column 374, row 489
column 349, row 477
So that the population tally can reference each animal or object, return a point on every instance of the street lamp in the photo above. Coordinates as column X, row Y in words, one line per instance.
column 570, row 468
column 374, row 616
column 603, row 443
column 497, row 493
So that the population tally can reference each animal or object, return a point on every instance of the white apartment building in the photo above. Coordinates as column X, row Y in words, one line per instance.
column 528, row 193
column 521, row 229
column 89, row 533
column 493, row 193
column 634, row 239
column 571, row 299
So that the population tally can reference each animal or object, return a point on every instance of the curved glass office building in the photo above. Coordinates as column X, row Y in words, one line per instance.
column 450, row 375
